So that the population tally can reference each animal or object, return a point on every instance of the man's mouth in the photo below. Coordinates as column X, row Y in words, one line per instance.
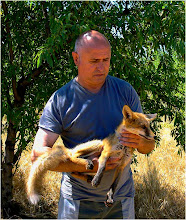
column 99, row 74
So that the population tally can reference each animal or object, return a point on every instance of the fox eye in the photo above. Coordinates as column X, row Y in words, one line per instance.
column 144, row 127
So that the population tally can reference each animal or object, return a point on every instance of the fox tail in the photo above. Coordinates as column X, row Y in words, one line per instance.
column 39, row 168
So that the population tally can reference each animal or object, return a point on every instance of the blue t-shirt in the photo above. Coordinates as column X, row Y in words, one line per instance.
column 80, row 116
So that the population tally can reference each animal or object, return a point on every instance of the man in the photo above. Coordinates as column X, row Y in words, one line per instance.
column 90, row 107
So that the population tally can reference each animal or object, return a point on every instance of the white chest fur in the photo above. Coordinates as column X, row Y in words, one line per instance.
column 124, row 152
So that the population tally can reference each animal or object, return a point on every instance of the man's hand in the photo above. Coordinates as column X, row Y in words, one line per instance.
column 40, row 150
column 142, row 144
column 111, row 163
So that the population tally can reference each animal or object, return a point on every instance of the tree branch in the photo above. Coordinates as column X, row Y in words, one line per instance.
column 16, row 96
column 8, row 32
column 29, row 79
column 19, row 88
column 45, row 14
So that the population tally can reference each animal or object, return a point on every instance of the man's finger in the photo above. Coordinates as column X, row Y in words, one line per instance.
column 113, row 159
column 129, row 144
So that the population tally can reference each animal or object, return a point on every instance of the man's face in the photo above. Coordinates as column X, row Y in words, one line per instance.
column 93, row 65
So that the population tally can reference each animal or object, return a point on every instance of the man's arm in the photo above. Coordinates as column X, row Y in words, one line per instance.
column 44, row 142
column 142, row 145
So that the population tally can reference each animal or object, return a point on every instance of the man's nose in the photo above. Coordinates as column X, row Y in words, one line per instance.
column 100, row 66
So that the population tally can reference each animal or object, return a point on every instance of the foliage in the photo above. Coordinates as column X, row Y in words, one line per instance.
column 147, row 41
column 38, row 37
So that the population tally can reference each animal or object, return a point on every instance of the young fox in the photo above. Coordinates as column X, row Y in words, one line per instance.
column 133, row 122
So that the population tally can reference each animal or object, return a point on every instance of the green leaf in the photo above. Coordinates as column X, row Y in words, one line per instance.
column 39, row 60
column 49, row 59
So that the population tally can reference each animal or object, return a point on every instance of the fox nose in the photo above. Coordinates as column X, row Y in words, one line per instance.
column 152, row 135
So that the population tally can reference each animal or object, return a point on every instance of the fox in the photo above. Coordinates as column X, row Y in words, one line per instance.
column 134, row 122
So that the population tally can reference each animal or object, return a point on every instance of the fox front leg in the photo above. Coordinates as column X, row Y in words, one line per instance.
column 102, row 164
column 85, row 162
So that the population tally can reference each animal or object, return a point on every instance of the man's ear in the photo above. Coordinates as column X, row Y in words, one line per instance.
column 75, row 58
column 127, row 112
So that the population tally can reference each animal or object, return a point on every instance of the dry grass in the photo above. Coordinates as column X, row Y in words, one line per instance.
column 47, row 207
column 159, row 182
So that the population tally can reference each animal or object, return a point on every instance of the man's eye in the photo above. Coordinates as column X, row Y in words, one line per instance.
column 94, row 61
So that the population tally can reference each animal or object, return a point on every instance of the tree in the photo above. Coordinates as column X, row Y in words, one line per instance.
column 147, row 41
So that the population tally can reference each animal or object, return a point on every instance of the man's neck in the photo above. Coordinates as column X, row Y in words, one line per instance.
column 91, row 88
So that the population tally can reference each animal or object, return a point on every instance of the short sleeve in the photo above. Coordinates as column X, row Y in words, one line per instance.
column 134, row 101
column 51, row 118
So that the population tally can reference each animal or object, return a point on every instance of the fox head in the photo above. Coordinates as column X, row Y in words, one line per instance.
column 138, row 123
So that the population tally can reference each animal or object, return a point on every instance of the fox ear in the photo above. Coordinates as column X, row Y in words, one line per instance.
column 151, row 117
column 127, row 112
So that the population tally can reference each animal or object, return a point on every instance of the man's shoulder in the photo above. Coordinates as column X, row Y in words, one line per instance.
column 64, row 90
column 66, row 87
column 119, row 81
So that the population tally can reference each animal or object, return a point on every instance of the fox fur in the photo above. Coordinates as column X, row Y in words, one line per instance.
column 133, row 122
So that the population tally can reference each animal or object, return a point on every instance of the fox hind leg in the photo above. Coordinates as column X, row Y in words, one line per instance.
column 102, row 164
column 109, row 201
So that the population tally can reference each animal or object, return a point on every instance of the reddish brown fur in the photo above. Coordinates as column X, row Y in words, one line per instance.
column 132, row 121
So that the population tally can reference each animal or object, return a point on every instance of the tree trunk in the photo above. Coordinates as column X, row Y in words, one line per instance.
column 7, row 166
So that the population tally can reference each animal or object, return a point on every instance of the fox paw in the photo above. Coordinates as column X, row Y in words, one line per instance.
column 90, row 165
column 96, row 181
column 89, row 179
column 109, row 202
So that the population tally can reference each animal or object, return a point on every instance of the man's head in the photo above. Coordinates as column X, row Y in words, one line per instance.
column 92, row 57
column 89, row 38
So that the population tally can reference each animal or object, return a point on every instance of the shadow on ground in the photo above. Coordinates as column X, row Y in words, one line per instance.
column 155, row 200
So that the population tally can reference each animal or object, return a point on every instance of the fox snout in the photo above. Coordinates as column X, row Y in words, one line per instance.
column 148, row 137
column 148, row 134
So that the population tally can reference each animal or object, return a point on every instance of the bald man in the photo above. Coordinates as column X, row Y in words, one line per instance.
column 90, row 107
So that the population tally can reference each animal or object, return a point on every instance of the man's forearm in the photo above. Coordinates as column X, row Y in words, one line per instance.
column 69, row 166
